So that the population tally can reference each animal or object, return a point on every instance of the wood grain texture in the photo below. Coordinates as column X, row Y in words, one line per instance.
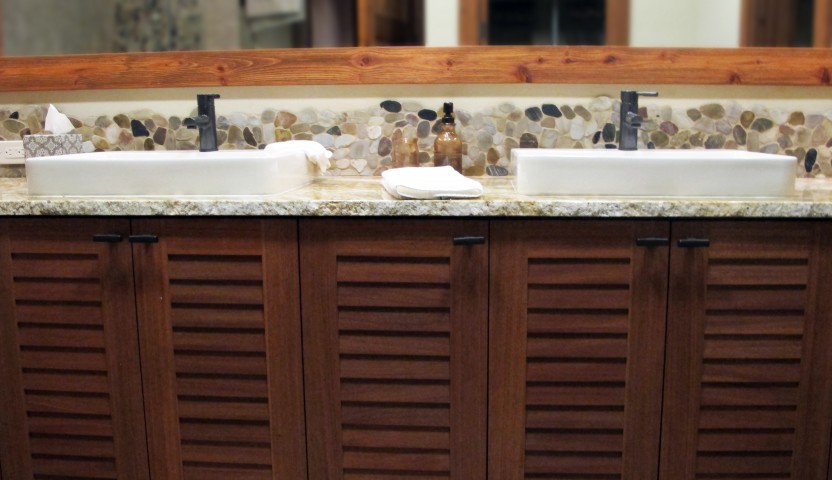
column 220, row 323
column 395, row 349
column 617, row 28
column 577, row 321
column 744, row 394
column 72, row 398
column 419, row 65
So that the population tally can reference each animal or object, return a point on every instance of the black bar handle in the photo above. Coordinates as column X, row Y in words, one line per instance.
column 652, row 242
column 469, row 240
column 694, row 242
column 107, row 238
column 145, row 238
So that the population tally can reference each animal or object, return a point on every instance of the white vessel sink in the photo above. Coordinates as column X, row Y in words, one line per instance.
column 720, row 173
column 155, row 173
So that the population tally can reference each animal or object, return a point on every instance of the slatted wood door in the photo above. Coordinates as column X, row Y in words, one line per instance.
column 747, row 393
column 69, row 358
column 576, row 349
column 394, row 331
column 220, row 337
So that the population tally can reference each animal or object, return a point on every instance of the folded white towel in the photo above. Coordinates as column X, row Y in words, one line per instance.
column 426, row 183
column 315, row 152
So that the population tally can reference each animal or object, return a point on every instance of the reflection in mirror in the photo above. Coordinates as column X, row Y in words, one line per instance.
column 49, row 27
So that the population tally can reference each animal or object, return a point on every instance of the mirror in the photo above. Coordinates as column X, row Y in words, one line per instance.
column 53, row 27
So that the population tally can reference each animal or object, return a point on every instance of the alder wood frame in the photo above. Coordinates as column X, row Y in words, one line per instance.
column 420, row 65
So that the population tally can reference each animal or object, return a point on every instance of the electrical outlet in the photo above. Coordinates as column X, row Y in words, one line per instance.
column 11, row 152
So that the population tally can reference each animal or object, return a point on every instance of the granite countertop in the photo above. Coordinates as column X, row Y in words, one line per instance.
column 364, row 196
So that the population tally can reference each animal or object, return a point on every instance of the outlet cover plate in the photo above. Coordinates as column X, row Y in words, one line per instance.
column 11, row 152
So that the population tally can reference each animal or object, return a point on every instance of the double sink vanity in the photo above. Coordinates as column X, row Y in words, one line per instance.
column 601, row 315
column 512, row 336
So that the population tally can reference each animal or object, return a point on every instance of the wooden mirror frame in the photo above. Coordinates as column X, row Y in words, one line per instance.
column 420, row 65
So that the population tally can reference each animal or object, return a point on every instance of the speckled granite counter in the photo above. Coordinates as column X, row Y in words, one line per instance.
column 357, row 196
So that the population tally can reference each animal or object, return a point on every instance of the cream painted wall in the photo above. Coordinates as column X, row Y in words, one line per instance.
column 693, row 23
column 441, row 23
column 254, row 100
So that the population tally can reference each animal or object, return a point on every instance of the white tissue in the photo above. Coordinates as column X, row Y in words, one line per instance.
column 56, row 122
column 315, row 152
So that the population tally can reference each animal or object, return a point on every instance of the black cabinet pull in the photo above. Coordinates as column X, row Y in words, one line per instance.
column 652, row 242
column 144, row 239
column 469, row 240
column 107, row 238
column 694, row 242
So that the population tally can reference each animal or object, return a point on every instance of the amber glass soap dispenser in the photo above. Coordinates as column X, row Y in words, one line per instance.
column 447, row 150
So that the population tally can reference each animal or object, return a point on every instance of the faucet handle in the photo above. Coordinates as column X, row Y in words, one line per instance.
column 647, row 94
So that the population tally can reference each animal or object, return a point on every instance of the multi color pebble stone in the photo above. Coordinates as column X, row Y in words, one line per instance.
column 762, row 124
column 527, row 140
column 534, row 114
column 138, row 128
column 809, row 161
column 608, row 133
column 740, row 136
column 552, row 110
column 428, row 115
column 391, row 106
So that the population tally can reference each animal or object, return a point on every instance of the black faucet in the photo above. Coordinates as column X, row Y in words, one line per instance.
column 205, row 121
column 630, row 119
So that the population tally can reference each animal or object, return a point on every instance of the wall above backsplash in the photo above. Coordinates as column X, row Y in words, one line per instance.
column 361, row 137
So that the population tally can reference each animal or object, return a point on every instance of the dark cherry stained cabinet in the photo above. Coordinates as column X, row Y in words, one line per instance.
column 71, row 391
column 219, row 327
column 577, row 322
column 215, row 315
column 748, row 390
column 395, row 348
column 409, row 349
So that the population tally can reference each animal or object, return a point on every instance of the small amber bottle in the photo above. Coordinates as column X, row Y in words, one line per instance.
column 447, row 150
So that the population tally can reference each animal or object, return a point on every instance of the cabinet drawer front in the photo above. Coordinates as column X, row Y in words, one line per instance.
column 577, row 330
column 394, row 317
column 71, row 396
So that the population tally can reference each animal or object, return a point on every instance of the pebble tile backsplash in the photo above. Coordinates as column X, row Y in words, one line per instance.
column 361, row 140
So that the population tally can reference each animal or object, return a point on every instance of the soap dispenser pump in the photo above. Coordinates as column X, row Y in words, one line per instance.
column 447, row 149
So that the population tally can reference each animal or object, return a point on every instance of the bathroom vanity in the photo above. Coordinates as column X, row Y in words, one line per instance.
column 510, row 337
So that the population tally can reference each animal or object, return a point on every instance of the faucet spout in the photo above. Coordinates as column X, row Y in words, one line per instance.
column 205, row 121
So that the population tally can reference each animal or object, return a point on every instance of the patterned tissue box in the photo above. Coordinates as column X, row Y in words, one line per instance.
column 46, row 145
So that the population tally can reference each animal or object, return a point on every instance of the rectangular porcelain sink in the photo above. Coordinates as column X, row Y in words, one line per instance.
column 155, row 173
column 719, row 173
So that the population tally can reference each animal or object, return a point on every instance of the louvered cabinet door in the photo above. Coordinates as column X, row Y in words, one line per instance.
column 395, row 331
column 220, row 337
column 747, row 392
column 70, row 385
column 577, row 322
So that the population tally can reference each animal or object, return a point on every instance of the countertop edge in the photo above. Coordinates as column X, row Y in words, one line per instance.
column 363, row 197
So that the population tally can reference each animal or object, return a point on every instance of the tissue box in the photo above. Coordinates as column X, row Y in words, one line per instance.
column 47, row 145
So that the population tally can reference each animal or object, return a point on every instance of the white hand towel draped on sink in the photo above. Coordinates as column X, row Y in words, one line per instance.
column 429, row 183
column 315, row 152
